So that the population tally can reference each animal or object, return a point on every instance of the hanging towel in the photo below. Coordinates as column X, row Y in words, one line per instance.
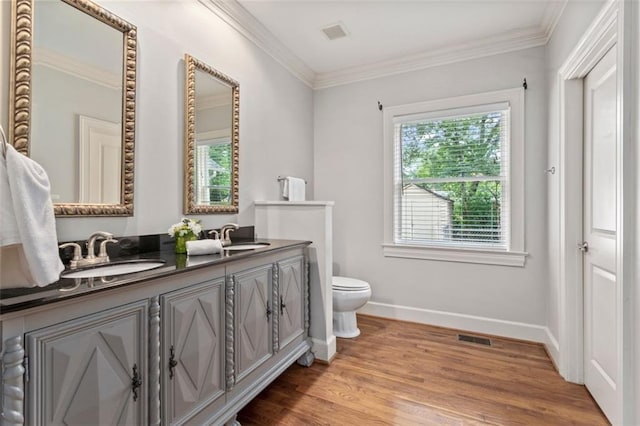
column 9, row 234
column 25, row 186
column 199, row 247
column 294, row 188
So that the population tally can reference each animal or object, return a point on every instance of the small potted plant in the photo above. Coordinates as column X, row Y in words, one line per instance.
column 183, row 231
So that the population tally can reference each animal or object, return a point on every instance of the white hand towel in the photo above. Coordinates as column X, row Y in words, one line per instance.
column 294, row 188
column 14, row 269
column 199, row 247
column 30, row 195
column 9, row 234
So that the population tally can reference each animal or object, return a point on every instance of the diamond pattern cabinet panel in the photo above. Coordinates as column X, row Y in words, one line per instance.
column 81, row 371
column 253, row 312
column 291, row 310
column 193, row 324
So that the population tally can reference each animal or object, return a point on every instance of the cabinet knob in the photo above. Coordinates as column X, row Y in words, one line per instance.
column 268, row 312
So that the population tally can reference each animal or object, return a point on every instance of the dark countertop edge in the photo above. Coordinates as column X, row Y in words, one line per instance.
column 52, row 294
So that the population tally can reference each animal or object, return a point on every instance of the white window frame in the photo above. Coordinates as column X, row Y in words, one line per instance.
column 515, row 254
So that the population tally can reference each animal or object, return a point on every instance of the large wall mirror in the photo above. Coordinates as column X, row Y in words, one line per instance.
column 212, row 105
column 72, row 105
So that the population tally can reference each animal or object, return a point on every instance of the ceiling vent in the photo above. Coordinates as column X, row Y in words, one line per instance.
column 335, row 31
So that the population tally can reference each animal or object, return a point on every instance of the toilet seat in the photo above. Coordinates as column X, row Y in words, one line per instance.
column 349, row 284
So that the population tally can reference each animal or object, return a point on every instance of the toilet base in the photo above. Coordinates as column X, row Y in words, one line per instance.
column 345, row 325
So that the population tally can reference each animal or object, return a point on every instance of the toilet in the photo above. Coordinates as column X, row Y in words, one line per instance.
column 349, row 295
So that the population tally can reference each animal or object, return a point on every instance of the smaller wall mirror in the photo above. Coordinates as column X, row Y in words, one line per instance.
column 212, row 109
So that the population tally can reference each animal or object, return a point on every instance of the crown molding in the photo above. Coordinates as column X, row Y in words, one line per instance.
column 80, row 69
column 231, row 12
column 551, row 16
column 506, row 42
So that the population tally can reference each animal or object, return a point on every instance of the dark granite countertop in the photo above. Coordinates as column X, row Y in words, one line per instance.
column 17, row 299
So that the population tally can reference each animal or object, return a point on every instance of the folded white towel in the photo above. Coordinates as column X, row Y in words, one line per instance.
column 199, row 247
column 294, row 188
column 29, row 192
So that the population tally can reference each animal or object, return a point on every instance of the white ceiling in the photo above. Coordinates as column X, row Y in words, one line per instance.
column 388, row 36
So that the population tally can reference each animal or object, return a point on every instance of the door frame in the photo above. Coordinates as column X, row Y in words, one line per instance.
column 612, row 27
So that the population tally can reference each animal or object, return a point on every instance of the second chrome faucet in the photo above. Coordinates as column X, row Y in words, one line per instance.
column 223, row 235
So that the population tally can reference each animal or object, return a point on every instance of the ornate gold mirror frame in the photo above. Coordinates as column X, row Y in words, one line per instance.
column 229, row 203
column 20, row 104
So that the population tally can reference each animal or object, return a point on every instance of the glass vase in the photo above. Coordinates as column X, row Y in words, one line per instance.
column 181, row 242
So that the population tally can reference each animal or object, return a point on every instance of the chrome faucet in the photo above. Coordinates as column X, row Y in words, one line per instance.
column 77, row 254
column 225, row 231
column 90, row 258
column 91, row 252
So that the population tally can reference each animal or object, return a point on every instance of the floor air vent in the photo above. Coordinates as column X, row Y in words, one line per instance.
column 474, row 339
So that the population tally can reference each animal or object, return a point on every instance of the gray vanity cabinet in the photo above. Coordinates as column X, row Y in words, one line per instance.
column 90, row 371
column 193, row 350
column 253, row 318
column 291, row 323
column 189, row 348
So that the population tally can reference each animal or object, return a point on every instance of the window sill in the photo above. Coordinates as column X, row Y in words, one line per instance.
column 448, row 254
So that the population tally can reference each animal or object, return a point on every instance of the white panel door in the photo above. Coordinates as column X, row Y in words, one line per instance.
column 100, row 161
column 602, row 329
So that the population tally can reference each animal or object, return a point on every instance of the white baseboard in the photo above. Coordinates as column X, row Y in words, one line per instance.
column 324, row 350
column 553, row 347
column 496, row 327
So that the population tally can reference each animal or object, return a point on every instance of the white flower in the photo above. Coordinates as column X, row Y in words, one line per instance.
column 185, row 227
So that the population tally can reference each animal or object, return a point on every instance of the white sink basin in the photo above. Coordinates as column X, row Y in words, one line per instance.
column 241, row 246
column 119, row 268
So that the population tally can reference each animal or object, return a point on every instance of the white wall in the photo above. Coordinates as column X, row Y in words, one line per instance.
column 348, row 168
column 5, row 53
column 575, row 19
column 276, row 118
column 636, row 52
column 634, row 15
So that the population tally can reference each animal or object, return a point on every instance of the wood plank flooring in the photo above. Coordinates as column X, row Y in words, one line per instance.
column 399, row 373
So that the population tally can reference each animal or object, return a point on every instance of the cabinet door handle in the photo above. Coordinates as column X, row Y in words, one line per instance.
column 268, row 312
column 136, row 382
column 172, row 362
column 282, row 306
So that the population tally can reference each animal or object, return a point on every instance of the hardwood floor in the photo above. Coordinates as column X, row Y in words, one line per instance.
column 399, row 373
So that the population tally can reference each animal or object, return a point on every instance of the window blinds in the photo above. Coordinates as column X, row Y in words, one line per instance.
column 451, row 177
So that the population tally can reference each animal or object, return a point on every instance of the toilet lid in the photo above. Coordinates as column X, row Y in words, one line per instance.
column 349, row 284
